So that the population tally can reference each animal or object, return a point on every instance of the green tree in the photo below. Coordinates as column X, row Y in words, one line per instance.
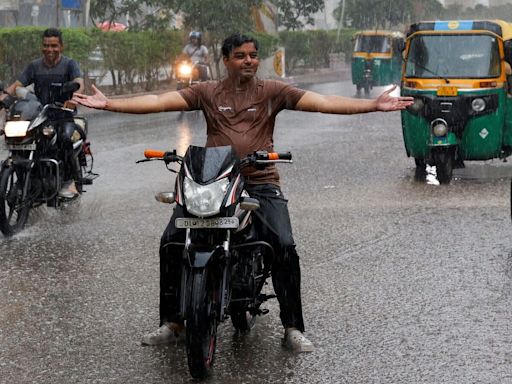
column 110, row 10
column 296, row 14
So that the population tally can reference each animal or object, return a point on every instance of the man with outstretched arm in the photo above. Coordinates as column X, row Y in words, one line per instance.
column 54, row 67
column 240, row 111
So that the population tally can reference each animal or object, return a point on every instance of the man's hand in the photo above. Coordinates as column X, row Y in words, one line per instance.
column 97, row 100
column 386, row 102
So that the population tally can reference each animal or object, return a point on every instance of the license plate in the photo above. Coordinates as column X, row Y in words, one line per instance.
column 447, row 91
column 217, row 222
column 21, row 147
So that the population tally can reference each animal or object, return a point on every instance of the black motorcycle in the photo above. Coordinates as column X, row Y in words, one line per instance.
column 33, row 172
column 225, row 266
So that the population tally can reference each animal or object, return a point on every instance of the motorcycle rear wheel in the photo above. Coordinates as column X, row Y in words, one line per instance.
column 14, row 202
column 201, row 322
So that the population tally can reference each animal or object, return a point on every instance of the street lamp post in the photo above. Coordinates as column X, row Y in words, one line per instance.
column 57, row 8
column 86, row 9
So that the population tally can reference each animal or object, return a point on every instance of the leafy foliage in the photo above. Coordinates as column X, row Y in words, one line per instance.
column 296, row 14
column 385, row 14
column 134, row 58
column 311, row 49
column 112, row 10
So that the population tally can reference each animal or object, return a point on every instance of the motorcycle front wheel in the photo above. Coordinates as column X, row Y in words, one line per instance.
column 242, row 319
column 201, row 321
column 14, row 202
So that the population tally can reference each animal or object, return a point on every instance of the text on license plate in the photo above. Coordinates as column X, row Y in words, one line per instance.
column 21, row 147
column 217, row 222
column 447, row 91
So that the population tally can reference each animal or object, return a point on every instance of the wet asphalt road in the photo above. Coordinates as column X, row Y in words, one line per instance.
column 404, row 281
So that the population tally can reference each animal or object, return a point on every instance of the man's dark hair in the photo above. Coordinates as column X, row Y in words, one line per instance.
column 53, row 32
column 235, row 41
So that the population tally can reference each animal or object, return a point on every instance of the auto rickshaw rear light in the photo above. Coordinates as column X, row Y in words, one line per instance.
column 478, row 104
column 410, row 84
column 488, row 84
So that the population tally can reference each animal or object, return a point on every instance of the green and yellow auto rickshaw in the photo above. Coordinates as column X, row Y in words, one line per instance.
column 376, row 59
column 457, row 72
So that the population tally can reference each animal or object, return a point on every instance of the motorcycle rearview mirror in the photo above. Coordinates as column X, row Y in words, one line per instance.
column 21, row 92
column 165, row 197
column 249, row 203
column 70, row 87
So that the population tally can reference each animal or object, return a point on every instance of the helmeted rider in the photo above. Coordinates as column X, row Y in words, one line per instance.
column 53, row 67
column 198, row 54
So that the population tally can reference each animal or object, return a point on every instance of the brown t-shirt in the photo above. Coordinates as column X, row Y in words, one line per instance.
column 243, row 117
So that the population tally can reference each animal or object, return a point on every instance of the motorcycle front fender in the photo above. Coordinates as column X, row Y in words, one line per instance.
column 200, row 259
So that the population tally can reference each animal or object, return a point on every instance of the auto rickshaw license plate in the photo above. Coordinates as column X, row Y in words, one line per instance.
column 217, row 222
column 447, row 91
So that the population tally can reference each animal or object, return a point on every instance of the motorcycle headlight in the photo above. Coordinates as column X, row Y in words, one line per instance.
column 478, row 104
column 204, row 200
column 16, row 128
column 184, row 70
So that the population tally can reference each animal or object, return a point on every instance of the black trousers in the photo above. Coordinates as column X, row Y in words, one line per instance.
column 273, row 225
column 66, row 128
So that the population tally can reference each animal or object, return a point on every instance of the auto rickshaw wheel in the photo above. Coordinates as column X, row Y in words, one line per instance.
column 443, row 161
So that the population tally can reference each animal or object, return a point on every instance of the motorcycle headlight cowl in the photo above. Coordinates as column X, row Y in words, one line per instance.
column 41, row 118
column 204, row 200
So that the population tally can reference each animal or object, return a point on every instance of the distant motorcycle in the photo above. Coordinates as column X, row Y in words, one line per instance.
column 187, row 73
column 32, row 173
column 225, row 266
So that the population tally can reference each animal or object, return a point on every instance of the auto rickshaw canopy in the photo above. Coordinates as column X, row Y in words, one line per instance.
column 500, row 28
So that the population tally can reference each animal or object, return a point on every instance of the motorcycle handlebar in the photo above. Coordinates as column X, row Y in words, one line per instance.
column 7, row 101
column 258, row 157
column 280, row 156
column 168, row 157
column 153, row 153
column 272, row 156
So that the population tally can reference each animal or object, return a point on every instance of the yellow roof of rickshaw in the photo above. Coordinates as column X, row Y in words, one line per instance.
column 381, row 32
column 497, row 26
